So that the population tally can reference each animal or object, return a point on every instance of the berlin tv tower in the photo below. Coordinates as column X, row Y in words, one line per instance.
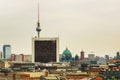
column 38, row 24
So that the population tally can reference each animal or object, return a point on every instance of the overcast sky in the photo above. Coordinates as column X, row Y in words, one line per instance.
column 91, row 25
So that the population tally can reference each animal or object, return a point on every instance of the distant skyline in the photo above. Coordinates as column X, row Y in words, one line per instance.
column 91, row 25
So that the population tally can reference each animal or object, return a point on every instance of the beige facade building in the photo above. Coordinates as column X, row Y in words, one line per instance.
column 21, row 58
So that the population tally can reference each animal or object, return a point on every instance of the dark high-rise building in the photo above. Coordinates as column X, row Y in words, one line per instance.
column 45, row 50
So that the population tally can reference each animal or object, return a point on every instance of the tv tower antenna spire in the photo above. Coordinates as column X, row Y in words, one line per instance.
column 38, row 24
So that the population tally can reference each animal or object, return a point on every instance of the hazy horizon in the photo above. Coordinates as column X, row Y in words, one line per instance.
column 80, row 24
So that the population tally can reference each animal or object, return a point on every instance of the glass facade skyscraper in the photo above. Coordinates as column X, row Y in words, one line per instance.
column 7, row 51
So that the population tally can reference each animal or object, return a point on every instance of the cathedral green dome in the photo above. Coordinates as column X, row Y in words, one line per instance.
column 66, row 53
